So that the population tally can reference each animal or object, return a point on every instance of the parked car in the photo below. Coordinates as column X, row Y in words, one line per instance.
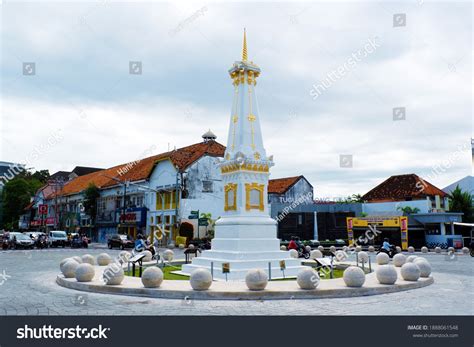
column 57, row 238
column 19, row 240
column 121, row 241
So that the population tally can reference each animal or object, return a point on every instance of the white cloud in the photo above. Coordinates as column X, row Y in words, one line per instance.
column 82, row 53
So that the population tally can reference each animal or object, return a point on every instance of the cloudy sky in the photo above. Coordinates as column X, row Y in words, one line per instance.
column 83, row 107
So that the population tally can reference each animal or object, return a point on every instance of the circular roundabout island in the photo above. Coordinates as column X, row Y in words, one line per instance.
column 351, row 281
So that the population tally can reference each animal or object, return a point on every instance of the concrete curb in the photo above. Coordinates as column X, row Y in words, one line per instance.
column 276, row 290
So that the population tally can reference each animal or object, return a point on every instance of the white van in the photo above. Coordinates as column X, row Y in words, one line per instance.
column 57, row 238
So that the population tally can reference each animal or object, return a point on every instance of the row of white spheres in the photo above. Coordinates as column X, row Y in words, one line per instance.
column 412, row 268
column 255, row 279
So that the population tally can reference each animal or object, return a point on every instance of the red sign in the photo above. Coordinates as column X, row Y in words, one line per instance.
column 349, row 223
column 40, row 222
column 43, row 209
column 128, row 217
column 404, row 223
column 35, row 223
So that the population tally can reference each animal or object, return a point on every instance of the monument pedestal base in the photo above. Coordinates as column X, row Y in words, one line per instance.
column 245, row 243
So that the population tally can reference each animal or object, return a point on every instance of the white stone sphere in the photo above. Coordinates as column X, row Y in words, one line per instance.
column 168, row 255
column 256, row 279
column 293, row 253
column 307, row 278
column 282, row 248
column 78, row 259
column 152, row 277
column 148, row 256
column 451, row 249
column 88, row 259
column 104, row 259
column 321, row 248
column 371, row 249
column 358, row 249
column 386, row 274
column 438, row 250
column 425, row 268
column 410, row 272
column 191, row 246
column 417, row 259
column 69, row 268
column 382, row 258
column 411, row 258
column 113, row 274
column 64, row 261
column 353, row 276
column 424, row 249
column 363, row 257
column 84, row 272
column 332, row 249
column 201, row 279
column 341, row 256
column 124, row 257
column 399, row 259
column 398, row 249
column 411, row 249
column 171, row 246
column 181, row 246
column 465, row 250
column 307, row 248
column 315, row 254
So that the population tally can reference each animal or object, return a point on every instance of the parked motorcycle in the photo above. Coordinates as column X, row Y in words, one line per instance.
column 41, row 243
column 391, row 253
column 303, row 252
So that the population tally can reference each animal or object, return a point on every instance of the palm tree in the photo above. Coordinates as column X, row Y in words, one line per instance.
column 460, row 201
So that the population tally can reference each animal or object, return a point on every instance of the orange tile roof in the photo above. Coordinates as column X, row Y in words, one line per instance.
column 142, row 169
column 281, row 185
column 401, row 187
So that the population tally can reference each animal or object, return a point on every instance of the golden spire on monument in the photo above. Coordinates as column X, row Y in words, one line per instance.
column 244, row 70
column 244, row 50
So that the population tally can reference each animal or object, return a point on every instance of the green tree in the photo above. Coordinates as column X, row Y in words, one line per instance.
column 351, row 199
column 41, row 175
column 407, row 210
column 16, row 195
column 91, row 194
column 461, row 201
column 211, row 223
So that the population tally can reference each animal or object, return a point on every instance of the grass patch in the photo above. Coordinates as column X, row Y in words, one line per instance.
column 167, row 275
column 337, row 273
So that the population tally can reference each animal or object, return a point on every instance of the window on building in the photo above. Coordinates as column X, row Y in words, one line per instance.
column 207, row 186
column 167, row 200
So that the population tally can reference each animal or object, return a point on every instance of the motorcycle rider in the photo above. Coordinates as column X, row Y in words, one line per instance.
column 386, row 244
column 292, row 244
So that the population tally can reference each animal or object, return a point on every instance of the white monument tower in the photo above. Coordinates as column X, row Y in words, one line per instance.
column 245, row 235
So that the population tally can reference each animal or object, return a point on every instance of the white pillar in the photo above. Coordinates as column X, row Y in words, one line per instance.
column 442, row 228
column 315, row 233
column 437, row 202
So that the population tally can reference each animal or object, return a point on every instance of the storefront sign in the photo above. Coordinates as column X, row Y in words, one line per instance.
column 43, row 209
column 282, row 265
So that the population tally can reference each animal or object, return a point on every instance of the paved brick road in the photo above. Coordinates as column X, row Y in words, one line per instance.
column 30, row 289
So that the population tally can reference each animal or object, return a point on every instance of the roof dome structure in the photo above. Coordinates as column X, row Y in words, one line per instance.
column 209, row 136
